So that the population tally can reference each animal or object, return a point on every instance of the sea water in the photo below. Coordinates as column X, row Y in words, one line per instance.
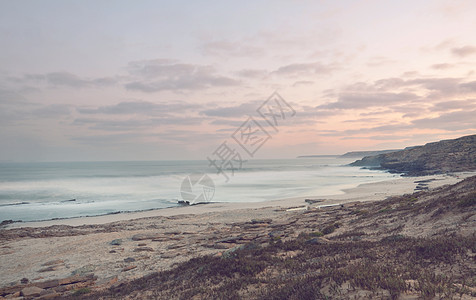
column 44, row 191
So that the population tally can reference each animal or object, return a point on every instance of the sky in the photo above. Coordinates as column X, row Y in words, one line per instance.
column 164, row 80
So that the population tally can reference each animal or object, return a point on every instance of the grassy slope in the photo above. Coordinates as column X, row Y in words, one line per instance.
column 419, row 245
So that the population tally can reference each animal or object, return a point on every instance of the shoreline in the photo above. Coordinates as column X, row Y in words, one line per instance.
column 114, row 249
column 374, row 191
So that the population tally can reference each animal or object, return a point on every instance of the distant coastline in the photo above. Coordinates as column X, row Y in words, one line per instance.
column 352, row 154
column 317, row 156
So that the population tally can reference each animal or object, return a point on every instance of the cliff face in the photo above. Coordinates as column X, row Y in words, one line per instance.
column 359, row 154
column 439, row 157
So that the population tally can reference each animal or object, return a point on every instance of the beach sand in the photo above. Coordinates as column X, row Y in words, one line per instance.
column 156, row 240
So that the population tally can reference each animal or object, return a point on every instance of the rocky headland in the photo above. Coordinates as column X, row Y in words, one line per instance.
column 445, row 156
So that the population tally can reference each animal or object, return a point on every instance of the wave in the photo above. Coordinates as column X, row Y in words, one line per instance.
column 14, row 204
column 86, row 190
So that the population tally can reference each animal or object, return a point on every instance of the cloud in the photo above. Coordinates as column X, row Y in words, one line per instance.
column 107, row 139
column 228, row 122
column 252, row 73
column 458, row 120
column 429, row 89
column 230, row 48
column 163, row 68
column 443, row 45
column 194, row 137
column 464, row 51
column 444, row 66
column 12, row 98
column 308, row 113
column 304, row 69
column 411, row 110
column 189, row 82
column 235, row 115
column 160, row 75
column 413, row 101
column 390, row 137
column 445, row 106
column 52, row 111
column 135, row 123
column 411, row 74
column 440, row 87
column 131, row 115
column 15, row 108
column 138, row 116
column 366, row 100
column 233, row 111
column 147, row 76
column 183, row 137
column 381, row 129
column 303, row 82
column 378, row 61
column 376, row 113
column 66, row 79
column 443, row 85
column 469, row 86
column 385, row 84
column 140, row 108
column 363, row 120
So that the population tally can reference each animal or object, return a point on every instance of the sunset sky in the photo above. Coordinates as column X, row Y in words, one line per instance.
column 153, row 80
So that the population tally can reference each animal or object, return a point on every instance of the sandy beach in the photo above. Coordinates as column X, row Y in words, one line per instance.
column 121, row 247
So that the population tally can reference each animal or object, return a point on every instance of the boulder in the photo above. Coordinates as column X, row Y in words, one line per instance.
column 116, row 242
column 49, row 269
column 317, row 240
column 261, row 221
column 144, row 236
column 53, row 262
column 128, row 268
column 175, row 246
column 48, row 284
column 221, row 246
column 141, row 249
column 77, row 278
column 231, row 252
column 231, row 239
column 49, row 295
column 174, row 232
column 108, row 281
column 84, row 270
column 276, row 234
column 31, row 291
column 168, row 255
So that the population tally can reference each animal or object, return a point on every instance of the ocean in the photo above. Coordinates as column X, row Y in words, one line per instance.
column 45, row 191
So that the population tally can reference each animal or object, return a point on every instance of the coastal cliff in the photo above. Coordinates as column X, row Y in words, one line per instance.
column 455, row 155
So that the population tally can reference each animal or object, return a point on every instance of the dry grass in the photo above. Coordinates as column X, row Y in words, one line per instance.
column 440, row 266
column 371, row 261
